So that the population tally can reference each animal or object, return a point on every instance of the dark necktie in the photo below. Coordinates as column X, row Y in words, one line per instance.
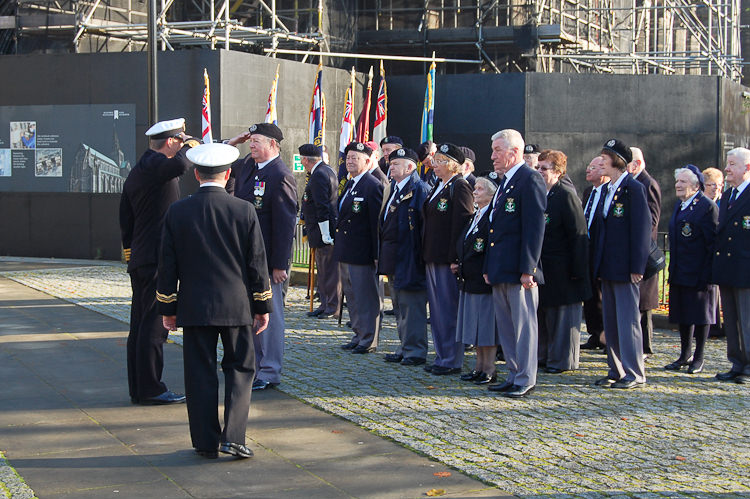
column 390, row 202
column 590, row 204
column 733, row 196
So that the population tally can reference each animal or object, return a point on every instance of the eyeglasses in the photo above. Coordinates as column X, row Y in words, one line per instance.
column 441, row 162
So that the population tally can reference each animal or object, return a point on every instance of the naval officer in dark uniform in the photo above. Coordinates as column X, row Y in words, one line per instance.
column 621, row 252
column 263, row 179
column 320, row 213
column 357, row 247
column 212, row 245
column 400, row 257
column 731, row 265
column 692, row 300
column 512, row 261
column 151, row 186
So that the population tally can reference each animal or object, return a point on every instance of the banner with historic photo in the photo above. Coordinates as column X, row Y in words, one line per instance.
column 75, row 148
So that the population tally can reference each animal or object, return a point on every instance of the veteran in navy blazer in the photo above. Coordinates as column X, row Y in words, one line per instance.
column 731, row 264
column 512, row 261
column 320, row 213
column 692, row 300
column 357, row 247
column 446, row 212
column 400, row 257
column 212, row 245
column 620, row 255
column 263, row 179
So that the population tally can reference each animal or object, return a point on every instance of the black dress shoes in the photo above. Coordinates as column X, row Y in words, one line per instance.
column 518, row 392
column 237, row 450
column 552, row 370
column 389, row 312
column 315, row 313
column 442, row 370
column 428, row 368
column 326, row 315
column 412, row 361
column 208, row 454
column 261, row 384
column 472, row 376
column 349, row 346
column 359, row 349
column 605, row 382
column 393, row 357
column 626, row 384
column 592, row 344
column 166, row 398
column 728, row 376
column 695, row 367
column 502, row 387
column 485, row 378
column 677, row 364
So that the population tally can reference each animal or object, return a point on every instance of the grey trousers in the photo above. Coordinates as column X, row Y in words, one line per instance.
column 410, row 308
column 515, row 314
column 269, row 345
column 442, row 292
column 329, row 280
column 622, row 328
column 736, row 305
column 561, row 346
column 365, row 305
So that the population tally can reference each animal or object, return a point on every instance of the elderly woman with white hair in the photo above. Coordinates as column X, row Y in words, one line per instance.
column 692, row 300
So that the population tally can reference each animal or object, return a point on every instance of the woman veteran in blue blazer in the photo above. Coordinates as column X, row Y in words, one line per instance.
column 692, row 301
column 622, row 249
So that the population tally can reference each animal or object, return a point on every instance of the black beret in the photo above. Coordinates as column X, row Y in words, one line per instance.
column 468, row 153
column 310, row 150
column 424, row 150
column 494, row 177
column 358, row 147
column 620, row 149
column 404, row 153
column 391, row 139
column 531, row 149
column 699, row 174
column 267, row 129
column 452, row 151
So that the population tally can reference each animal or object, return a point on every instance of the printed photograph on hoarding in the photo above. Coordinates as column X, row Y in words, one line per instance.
column 23, row 135
column 48, row 163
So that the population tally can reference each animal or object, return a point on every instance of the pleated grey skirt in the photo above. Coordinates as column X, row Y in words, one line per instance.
column 476, row 320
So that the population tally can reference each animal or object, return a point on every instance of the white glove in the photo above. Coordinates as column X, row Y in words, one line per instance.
column 325, row 231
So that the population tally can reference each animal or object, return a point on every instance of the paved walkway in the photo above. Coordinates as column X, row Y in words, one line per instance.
column 680, row 436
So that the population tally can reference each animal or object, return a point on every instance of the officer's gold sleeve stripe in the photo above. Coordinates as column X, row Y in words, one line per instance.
column 166, row 298
column 264, row 296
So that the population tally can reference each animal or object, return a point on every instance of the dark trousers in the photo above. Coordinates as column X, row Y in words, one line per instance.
column 592, row 311
column 146, row 338
column 202, row 383
column 329, row 280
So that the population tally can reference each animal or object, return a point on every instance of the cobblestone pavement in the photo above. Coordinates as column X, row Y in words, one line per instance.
column 679, row 436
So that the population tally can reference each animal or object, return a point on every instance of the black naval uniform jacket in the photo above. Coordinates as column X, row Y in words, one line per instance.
column 624, row 235
column 212, row 245
column 649, row 298
column 517, row 229
column 565, row 249
column 471, row 256
column 692, row 232
column 400, row 253
column 357, row 228
column 151, row 187
column 319, row 203
column 731, row 266
column 273, row 192
column 445, row 217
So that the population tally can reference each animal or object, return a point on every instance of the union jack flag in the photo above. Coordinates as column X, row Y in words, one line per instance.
column 347, row 131
column 271, row 116
column 381, row 110
column 206, row 112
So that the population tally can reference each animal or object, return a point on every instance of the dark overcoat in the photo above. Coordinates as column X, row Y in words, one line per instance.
column 650, row 287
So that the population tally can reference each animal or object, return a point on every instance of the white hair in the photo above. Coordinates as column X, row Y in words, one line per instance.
column 488, row 184
column 512, row 138
column 691, row 175
column 638, row 154
column 741, row 153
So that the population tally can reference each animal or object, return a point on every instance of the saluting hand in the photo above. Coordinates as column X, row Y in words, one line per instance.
column 169, row 322
column 260, row 323
column 240, row 139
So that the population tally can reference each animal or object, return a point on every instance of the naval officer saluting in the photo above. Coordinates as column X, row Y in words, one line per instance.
column 263, row 179
column 212, row 245
column 151, row 186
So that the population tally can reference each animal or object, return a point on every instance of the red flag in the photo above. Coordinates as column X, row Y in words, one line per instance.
column 363, row 123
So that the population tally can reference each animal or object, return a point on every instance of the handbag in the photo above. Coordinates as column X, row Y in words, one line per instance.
column 656, row 261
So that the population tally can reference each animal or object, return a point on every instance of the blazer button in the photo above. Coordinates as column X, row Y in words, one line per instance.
column 492, row 230
column 492, row 244
column 735, row 224
column 718, row 253
column 729, row 254
column 729, row 239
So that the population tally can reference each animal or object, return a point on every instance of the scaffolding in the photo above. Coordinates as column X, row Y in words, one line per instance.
column 613, row 36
